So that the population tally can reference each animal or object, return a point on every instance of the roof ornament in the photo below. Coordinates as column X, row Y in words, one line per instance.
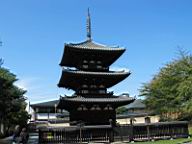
column 88, row 26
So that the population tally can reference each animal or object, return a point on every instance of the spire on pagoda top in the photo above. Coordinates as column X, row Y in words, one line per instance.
column 88, row 26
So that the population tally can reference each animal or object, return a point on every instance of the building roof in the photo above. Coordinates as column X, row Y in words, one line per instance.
column 100, row 100
column 74, row 79
column 50, row 104
column 129, row 115
column 137, row 104
column 91, row 73
column 90, row 45
column 69, row 102
column 75, row 53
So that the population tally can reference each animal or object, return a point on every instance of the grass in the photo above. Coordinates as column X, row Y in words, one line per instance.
column 190, row 130
column 175, row 141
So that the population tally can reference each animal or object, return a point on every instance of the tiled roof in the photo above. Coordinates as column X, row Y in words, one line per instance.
column 89, row 44
column 100, row 100
column 46, row 104
column 98, row 73
column 75, row 53
column 73, row 79
column 129, row 115
column 137, row 104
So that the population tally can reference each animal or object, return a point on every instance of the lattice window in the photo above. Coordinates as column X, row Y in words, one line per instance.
column 95, row 107
column 82, row 108
column 108, row 107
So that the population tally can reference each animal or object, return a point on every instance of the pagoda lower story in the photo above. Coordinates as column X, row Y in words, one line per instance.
column 93, row 111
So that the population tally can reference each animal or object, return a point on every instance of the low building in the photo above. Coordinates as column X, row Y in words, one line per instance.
column 47, row 111
column 137, row 112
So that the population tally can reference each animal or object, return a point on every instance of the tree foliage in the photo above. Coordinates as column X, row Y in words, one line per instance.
column 1, row 62
column 169, row 93
column 12, row 100
column 121, row 110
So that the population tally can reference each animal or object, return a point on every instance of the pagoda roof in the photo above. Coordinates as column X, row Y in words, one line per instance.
column 89, row 44
column 98, row 100
column 74, row 79
column 113, row 73
column 74, row 53
column 66, row 102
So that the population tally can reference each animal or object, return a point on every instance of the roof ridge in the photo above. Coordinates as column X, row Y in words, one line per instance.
column 99, row 73
column 89, row 44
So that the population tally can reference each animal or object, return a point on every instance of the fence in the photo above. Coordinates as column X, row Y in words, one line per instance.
column 161, row 130
column 75, row 134
column 78, row 134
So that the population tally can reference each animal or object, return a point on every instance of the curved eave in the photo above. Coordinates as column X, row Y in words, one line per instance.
column 90, row 73
column 73, row 55
column 74, row 79
column 69, row 102
column 93, row 48
column 97, row 100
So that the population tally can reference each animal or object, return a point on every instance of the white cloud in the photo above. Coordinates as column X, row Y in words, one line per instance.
column 28, row 83
column 37, row 89
column 114, row 68
column 31, row 84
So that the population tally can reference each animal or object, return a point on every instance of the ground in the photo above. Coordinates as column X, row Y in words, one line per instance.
column 33, row 139
column 175, row 141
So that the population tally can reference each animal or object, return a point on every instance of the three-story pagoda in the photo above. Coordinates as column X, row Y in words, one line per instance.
column 86, row 71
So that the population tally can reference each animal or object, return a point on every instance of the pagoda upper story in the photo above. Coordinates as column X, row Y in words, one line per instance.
column 90, row 56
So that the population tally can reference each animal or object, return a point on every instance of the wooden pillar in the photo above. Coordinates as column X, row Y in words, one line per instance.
column 35, row 113
column 2, row 128
column 131, row 136
column 111, row 135
column 48, row 114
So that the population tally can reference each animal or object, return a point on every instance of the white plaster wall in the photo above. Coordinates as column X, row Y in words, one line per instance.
column 154, row 119
column 44, row 116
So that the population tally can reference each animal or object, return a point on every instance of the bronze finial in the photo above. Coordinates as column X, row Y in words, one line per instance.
column 88, row 26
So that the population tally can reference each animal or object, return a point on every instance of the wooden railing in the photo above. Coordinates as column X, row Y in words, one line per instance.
column 77, row 134
column 151, row 131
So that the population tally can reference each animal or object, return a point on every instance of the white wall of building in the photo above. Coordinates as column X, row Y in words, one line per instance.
column 46, row 116
column 138, row 120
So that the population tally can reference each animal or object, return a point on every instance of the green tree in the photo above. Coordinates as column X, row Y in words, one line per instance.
column 169, row 93
column 121, row 110
column 12, row 101
column 1, row 62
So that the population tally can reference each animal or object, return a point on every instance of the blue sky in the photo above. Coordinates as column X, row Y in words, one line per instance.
column 34, row 32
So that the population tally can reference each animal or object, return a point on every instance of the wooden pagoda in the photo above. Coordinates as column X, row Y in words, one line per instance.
column 86, row 71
